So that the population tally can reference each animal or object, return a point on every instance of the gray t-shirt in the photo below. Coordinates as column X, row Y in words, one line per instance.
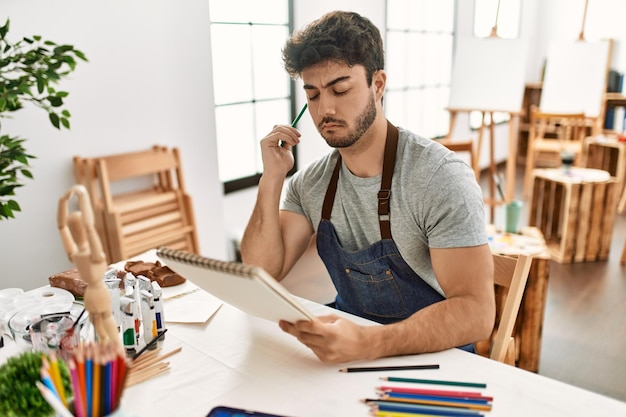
column 435, row 202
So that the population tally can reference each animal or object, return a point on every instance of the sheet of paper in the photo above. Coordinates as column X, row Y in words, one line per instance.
column 193, row 307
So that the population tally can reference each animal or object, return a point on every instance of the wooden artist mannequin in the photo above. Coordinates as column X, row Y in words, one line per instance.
column 84, row 249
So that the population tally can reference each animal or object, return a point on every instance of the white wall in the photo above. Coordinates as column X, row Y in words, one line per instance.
column 148, row 82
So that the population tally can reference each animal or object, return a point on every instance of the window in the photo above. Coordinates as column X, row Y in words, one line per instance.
column 252, row 90
column 419, row 42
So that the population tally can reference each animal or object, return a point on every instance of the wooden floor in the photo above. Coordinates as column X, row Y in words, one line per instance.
column 584, row 330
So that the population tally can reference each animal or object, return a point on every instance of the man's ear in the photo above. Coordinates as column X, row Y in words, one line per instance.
column 379, row 81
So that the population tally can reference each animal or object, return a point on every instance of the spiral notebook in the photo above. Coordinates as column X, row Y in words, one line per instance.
column 249, row 288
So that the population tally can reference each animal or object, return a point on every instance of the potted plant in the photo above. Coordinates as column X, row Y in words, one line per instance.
column 19, row 396
column 29, row 70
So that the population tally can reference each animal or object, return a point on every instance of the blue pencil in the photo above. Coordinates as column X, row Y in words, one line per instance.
column 89, row 382
column 47, row 381
column 107, row 388
column 424, row 409
column 403, row 395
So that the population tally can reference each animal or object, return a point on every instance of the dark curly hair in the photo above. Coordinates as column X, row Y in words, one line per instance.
column 337, row 36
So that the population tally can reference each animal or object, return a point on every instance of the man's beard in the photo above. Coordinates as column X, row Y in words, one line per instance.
column 363, row 122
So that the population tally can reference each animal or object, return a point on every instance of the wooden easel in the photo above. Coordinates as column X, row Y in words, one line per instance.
column 496, row 195
column 495, row 198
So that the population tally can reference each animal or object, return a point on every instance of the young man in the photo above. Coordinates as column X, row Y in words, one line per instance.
column 399, row 219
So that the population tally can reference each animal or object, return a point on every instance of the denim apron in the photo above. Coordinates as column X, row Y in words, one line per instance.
column 374, row 282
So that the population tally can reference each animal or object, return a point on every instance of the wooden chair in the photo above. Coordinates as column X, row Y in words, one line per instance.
column 139, row 201
column 510, row 276
column 553, row 133
column 463, row 146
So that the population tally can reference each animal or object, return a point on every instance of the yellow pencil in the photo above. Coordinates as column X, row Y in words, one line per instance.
column 397, row 414
column 55, row 374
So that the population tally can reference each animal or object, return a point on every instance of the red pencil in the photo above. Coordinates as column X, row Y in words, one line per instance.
column 79, row 358
column 437, row 392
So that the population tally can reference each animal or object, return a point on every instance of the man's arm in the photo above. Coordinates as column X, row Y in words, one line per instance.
column 275, row 239
column 465, row 316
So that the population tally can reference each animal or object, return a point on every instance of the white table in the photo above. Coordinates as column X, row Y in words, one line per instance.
column 239, row 360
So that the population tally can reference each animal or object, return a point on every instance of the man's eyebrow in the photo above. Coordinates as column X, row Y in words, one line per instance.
column 329, row 84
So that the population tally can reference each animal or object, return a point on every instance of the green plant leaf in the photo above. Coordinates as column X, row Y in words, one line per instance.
column 35, row 66
column 54, row 119
column 5, row 211
column 55, row 101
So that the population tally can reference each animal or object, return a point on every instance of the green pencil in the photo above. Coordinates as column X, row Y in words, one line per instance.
column 435, row 382
column 295, row 121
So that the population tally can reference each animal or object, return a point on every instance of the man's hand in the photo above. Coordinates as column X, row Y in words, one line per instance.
column 333, row 339
column 276, row 150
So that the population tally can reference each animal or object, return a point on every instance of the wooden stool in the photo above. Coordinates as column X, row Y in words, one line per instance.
column 529, row 323
column 575, row 212
column 608, row 154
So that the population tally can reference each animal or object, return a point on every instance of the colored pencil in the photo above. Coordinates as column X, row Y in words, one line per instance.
column 89, row 381
column 53, row 400
column 388, row 368
column 47, row 381
column 79, row 358
column 55, row 373
column 96, row 393
column 106, row 401
column 424, row 391
column 379, row 413
column 434, row 381
column 384, row 413
column 79, row 408
column 425, row 409
column 405, row 396
column 438, row 401
column 122, row 372
column 297, row 119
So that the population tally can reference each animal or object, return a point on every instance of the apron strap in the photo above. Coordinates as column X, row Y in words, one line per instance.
column 384, row 195
column 329, row 198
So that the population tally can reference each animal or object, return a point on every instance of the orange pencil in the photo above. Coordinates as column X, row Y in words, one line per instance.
column 96, row 397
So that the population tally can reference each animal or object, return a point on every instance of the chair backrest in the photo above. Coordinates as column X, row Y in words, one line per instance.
column 463, row 146
column 564, row 127
column 159, row 164
column 510, row 273
column 139, row 200
column 550, row 134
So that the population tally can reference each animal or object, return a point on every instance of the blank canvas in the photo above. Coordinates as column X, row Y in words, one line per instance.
column 488, row 74
column 575, row 77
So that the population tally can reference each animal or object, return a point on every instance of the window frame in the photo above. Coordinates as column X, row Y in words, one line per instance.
column 423, row 89
column 249, row 181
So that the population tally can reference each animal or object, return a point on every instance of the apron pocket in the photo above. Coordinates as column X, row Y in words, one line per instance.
column 378, row 294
